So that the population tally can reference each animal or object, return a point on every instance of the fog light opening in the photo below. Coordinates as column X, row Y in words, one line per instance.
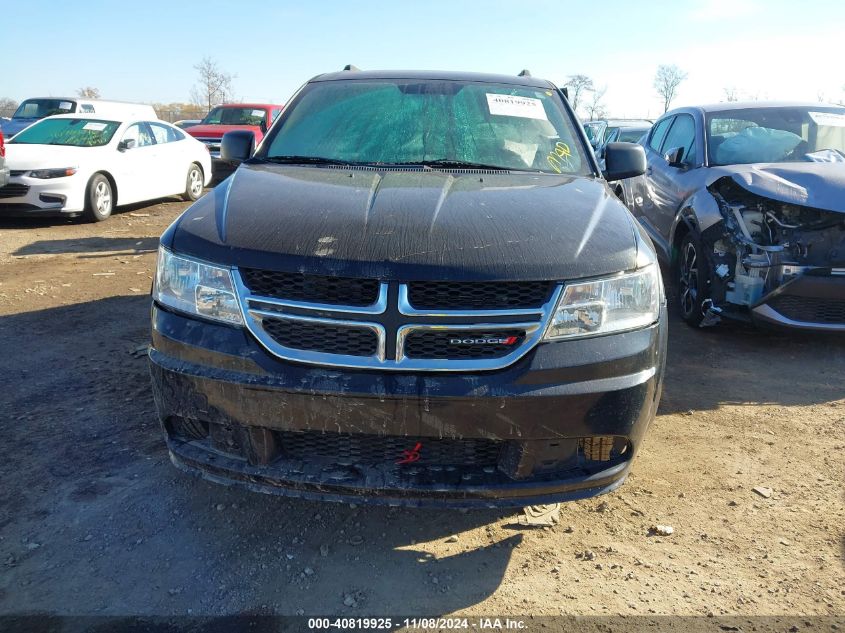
column 186, row 428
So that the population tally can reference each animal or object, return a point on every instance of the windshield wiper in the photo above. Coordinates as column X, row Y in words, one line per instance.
column 447, row 163
column 307, row 160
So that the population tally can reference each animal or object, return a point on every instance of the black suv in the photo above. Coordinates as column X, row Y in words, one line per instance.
column 419, row 289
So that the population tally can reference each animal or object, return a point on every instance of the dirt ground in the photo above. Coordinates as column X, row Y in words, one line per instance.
column 94, row 520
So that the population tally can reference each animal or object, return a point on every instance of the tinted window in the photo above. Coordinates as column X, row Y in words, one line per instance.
column 74, row 132
column 39, row 108
column 86, row 107
column 165, row 133
column 234, row 116
column 659, row 133
column 682, row 134
column 631, row 135
column 395, row 121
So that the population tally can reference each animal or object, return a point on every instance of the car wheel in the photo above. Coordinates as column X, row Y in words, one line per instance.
column 692, row 276
column 99, row 199
column 194, row 183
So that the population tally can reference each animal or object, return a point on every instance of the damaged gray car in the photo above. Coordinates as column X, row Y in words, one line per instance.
column 747, row 204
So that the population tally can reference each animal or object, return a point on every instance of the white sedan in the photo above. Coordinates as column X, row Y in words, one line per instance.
column 71, row 165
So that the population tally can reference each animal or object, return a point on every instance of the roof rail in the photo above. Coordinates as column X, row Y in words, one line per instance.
column 351, row 67
column 525, row 73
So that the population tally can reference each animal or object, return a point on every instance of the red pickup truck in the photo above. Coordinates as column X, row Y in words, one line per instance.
column 254, row 117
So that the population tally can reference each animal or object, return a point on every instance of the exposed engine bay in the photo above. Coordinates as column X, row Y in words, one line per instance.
column 763, row 244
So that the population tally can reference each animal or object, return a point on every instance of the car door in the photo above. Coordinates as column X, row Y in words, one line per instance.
column 642, row 199
column 136, row 172
column 671, row 184
column 173, row 162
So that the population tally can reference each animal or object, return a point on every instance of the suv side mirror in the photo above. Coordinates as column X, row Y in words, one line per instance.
column 675, row 157
column 623, row 160
column 126, row 144
column 237, row 146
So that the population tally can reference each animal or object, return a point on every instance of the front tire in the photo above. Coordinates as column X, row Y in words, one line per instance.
column 692, row 277
column 194, row 183
column 99, row 199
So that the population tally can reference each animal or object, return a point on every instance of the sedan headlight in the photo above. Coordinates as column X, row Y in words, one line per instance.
column 196, row 288
column 52, row 173
column 602, row 306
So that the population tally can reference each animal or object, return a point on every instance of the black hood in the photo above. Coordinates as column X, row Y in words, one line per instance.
column 409, row 225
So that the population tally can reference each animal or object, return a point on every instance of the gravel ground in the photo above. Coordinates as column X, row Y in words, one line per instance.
column 95, row 521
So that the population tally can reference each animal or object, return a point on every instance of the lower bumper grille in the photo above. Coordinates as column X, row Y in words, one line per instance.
column 810, row 309
column 377, row 450
column 14, row 190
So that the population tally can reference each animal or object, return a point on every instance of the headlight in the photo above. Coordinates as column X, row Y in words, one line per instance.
column 196, row 288
column 53, row 173
column 602, row 306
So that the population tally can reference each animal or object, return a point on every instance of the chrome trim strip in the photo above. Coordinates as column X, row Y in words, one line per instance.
column 767, row 312
column 378, row 307
column 407, row 309
column 317, row 357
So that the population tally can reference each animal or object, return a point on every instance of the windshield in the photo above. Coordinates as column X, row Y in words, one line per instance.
column 73, row 132
column 411, row 122
column 235, row 116
column 39, row 108
column 776, row 135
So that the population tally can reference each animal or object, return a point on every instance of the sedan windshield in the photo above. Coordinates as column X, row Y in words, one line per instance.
column 73, row 132
column 39, row 108
column 447, row 124
column 776, row 135
column 235, row 116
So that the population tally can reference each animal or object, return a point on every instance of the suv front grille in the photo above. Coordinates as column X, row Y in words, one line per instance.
column 462, row 344
column 319, row 337
column 300, row 287
column 810, row 309
column 368, row 324
column 485, row 295
column 379, row 449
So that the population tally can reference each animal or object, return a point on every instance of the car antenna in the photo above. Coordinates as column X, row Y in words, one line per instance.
column 351, row 67
column 524, row 73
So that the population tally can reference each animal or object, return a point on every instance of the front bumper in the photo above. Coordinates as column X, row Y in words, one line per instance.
column 43, row 197
column 813, row 302
column 537, row 412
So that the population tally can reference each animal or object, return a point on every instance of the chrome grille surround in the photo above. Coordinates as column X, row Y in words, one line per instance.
column 405, row 320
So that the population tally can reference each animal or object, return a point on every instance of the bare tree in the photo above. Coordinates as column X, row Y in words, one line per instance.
column 666, row 82
column 578, row 85
column 820, row 96
column 731, row 93
column 88, row 92
column 595, row 107
column 214, row 85
column 8, row 104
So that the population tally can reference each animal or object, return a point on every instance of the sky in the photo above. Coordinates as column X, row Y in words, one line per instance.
column 146, row 51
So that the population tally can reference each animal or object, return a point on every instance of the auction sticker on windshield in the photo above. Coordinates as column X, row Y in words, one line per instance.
column 828, row 118
column 509, row 105
column 94, row 127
